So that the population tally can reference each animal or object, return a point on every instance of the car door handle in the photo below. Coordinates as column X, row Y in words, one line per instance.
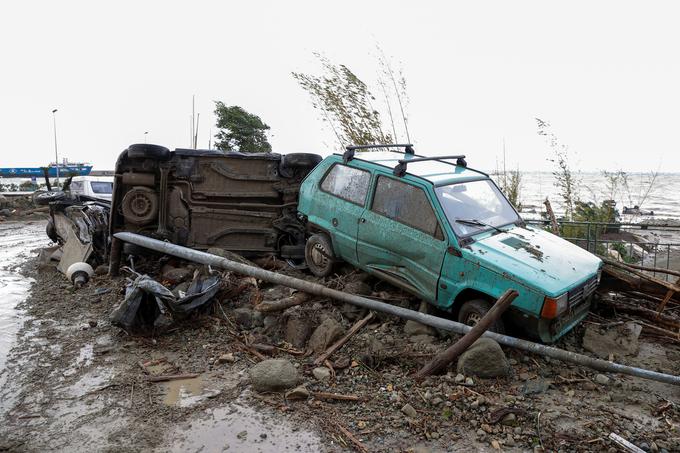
column 362, row 220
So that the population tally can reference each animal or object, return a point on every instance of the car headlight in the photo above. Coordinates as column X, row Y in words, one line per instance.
column 554, row 306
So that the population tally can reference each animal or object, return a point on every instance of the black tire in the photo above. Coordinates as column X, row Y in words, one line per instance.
column 48, row 197
column 473, row 310
column 51, row 231
column 146, row 151
column 297, row 165
column 300, row 160
column 319, row 255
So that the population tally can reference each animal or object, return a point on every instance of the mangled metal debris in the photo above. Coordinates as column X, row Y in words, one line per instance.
column 149, row 307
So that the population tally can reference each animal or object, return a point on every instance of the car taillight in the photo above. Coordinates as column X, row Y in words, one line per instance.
column 554, row 306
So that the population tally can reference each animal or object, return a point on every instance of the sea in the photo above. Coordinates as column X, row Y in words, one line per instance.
column 660, row 195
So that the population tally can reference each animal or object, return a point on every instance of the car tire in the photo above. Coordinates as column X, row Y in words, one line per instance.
column 300, row 160
column 319, row 255
column 298, row 164
column 146, row 151
column 51, row 231
column 472, row 311
column 46, row 198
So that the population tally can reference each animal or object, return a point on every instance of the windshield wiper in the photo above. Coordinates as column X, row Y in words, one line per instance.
column 477, row 223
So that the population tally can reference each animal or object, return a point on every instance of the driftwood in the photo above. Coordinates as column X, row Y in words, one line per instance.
column 642, row 312
column 279, row 305
column 553, row 220
column 172, row 377
column 666, row 299
column 639, row 273
column 338, row 344
column 442, row 359
column 357, row 444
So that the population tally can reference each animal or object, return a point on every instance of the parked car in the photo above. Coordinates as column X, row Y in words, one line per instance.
column 99, row 187
column 245, row 203
column 445, row 233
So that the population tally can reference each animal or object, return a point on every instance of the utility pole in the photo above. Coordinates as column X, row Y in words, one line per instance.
column 56, row 153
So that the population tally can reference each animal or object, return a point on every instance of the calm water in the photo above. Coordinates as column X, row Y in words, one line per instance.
column 663, row 199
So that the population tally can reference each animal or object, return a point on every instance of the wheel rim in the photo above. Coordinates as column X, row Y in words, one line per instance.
column 319, row 255
column 473, row 319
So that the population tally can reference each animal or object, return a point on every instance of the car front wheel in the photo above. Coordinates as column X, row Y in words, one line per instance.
column 319, row 255
column 474, row 310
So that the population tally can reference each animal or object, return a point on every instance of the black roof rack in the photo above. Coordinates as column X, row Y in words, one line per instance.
column 349, row 153
column 400, row 169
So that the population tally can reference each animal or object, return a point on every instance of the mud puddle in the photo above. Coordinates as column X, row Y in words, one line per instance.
column 16, row 242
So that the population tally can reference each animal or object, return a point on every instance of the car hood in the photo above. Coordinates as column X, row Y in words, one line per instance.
column 535, row 258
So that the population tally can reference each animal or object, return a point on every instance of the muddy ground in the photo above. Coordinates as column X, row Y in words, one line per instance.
column 74, row 382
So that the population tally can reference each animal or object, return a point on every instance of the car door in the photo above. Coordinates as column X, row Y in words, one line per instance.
column 400, row 237
column 341, row 200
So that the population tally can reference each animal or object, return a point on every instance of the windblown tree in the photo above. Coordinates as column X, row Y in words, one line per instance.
column 347, row 104
column 240, row 130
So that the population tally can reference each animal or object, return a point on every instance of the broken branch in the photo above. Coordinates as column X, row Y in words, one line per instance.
column 172, row 377
column 338, row 344
column 279, row 305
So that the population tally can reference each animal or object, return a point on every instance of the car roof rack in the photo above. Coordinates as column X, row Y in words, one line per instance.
column 349, row 153
column 400, row 169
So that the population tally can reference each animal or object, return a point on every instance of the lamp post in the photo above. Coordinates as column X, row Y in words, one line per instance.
column 56, row 153
column 145, row 134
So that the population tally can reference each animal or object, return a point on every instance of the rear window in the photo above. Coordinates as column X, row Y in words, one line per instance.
column 348, row 183
column 406, row 204
column 101, row 187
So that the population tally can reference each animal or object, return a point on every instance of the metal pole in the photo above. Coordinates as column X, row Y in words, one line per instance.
column 56, row 154
column 145, row 134
column 439, row 323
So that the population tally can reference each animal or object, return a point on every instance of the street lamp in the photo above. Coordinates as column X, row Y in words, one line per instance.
column 145, row 134
column 56, row 154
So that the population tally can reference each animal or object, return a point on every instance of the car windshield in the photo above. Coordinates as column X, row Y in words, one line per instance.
column 101, row 187
column 476, row 206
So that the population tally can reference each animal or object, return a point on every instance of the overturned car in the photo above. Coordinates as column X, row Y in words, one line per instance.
column 241, row 202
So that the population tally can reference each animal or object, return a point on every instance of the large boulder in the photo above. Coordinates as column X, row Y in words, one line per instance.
column 621, row 340
column 324, row 335
column 273, row 375
column 484, row 359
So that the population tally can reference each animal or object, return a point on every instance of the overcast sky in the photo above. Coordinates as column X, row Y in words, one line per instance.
column 605, row 74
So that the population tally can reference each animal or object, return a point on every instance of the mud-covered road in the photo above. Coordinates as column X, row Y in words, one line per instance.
column 73, row 383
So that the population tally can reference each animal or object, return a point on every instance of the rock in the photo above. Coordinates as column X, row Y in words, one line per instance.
column 92, row 323
column 297, row 331
column 5, row 213
column 460, row 378
column 357, row 287
column 298, row 393
column 485, row 359
column 535, row 386
column 469, row 381
column 352, row 312
column 102, row 269
column 602, row 379
column 321, row 373
column 270, row 321
column 176, row 274
column 413, row 329
column 325, row 334
column 273, row 375
column 226, row 358
column 621, row 340
column 247, row 318
column 588, row 386
column 509, row 420
column 409, row 411
column 422, row 339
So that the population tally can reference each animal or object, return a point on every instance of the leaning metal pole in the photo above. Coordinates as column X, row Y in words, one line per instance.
column 434, row 321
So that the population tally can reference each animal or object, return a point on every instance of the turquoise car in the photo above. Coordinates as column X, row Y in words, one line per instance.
column 445, row 233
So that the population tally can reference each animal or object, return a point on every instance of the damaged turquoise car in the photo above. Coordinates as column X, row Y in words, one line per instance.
column 445, row 233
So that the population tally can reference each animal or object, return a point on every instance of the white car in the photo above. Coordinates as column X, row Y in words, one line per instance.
column 93, row 186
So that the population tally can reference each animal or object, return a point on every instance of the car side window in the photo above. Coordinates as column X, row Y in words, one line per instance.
column 406, row 204
column 348, row 183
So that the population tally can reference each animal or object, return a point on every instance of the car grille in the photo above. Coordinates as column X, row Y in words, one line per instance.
column 582, row 291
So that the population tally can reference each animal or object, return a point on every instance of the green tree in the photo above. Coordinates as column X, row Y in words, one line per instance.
column 240, row 130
